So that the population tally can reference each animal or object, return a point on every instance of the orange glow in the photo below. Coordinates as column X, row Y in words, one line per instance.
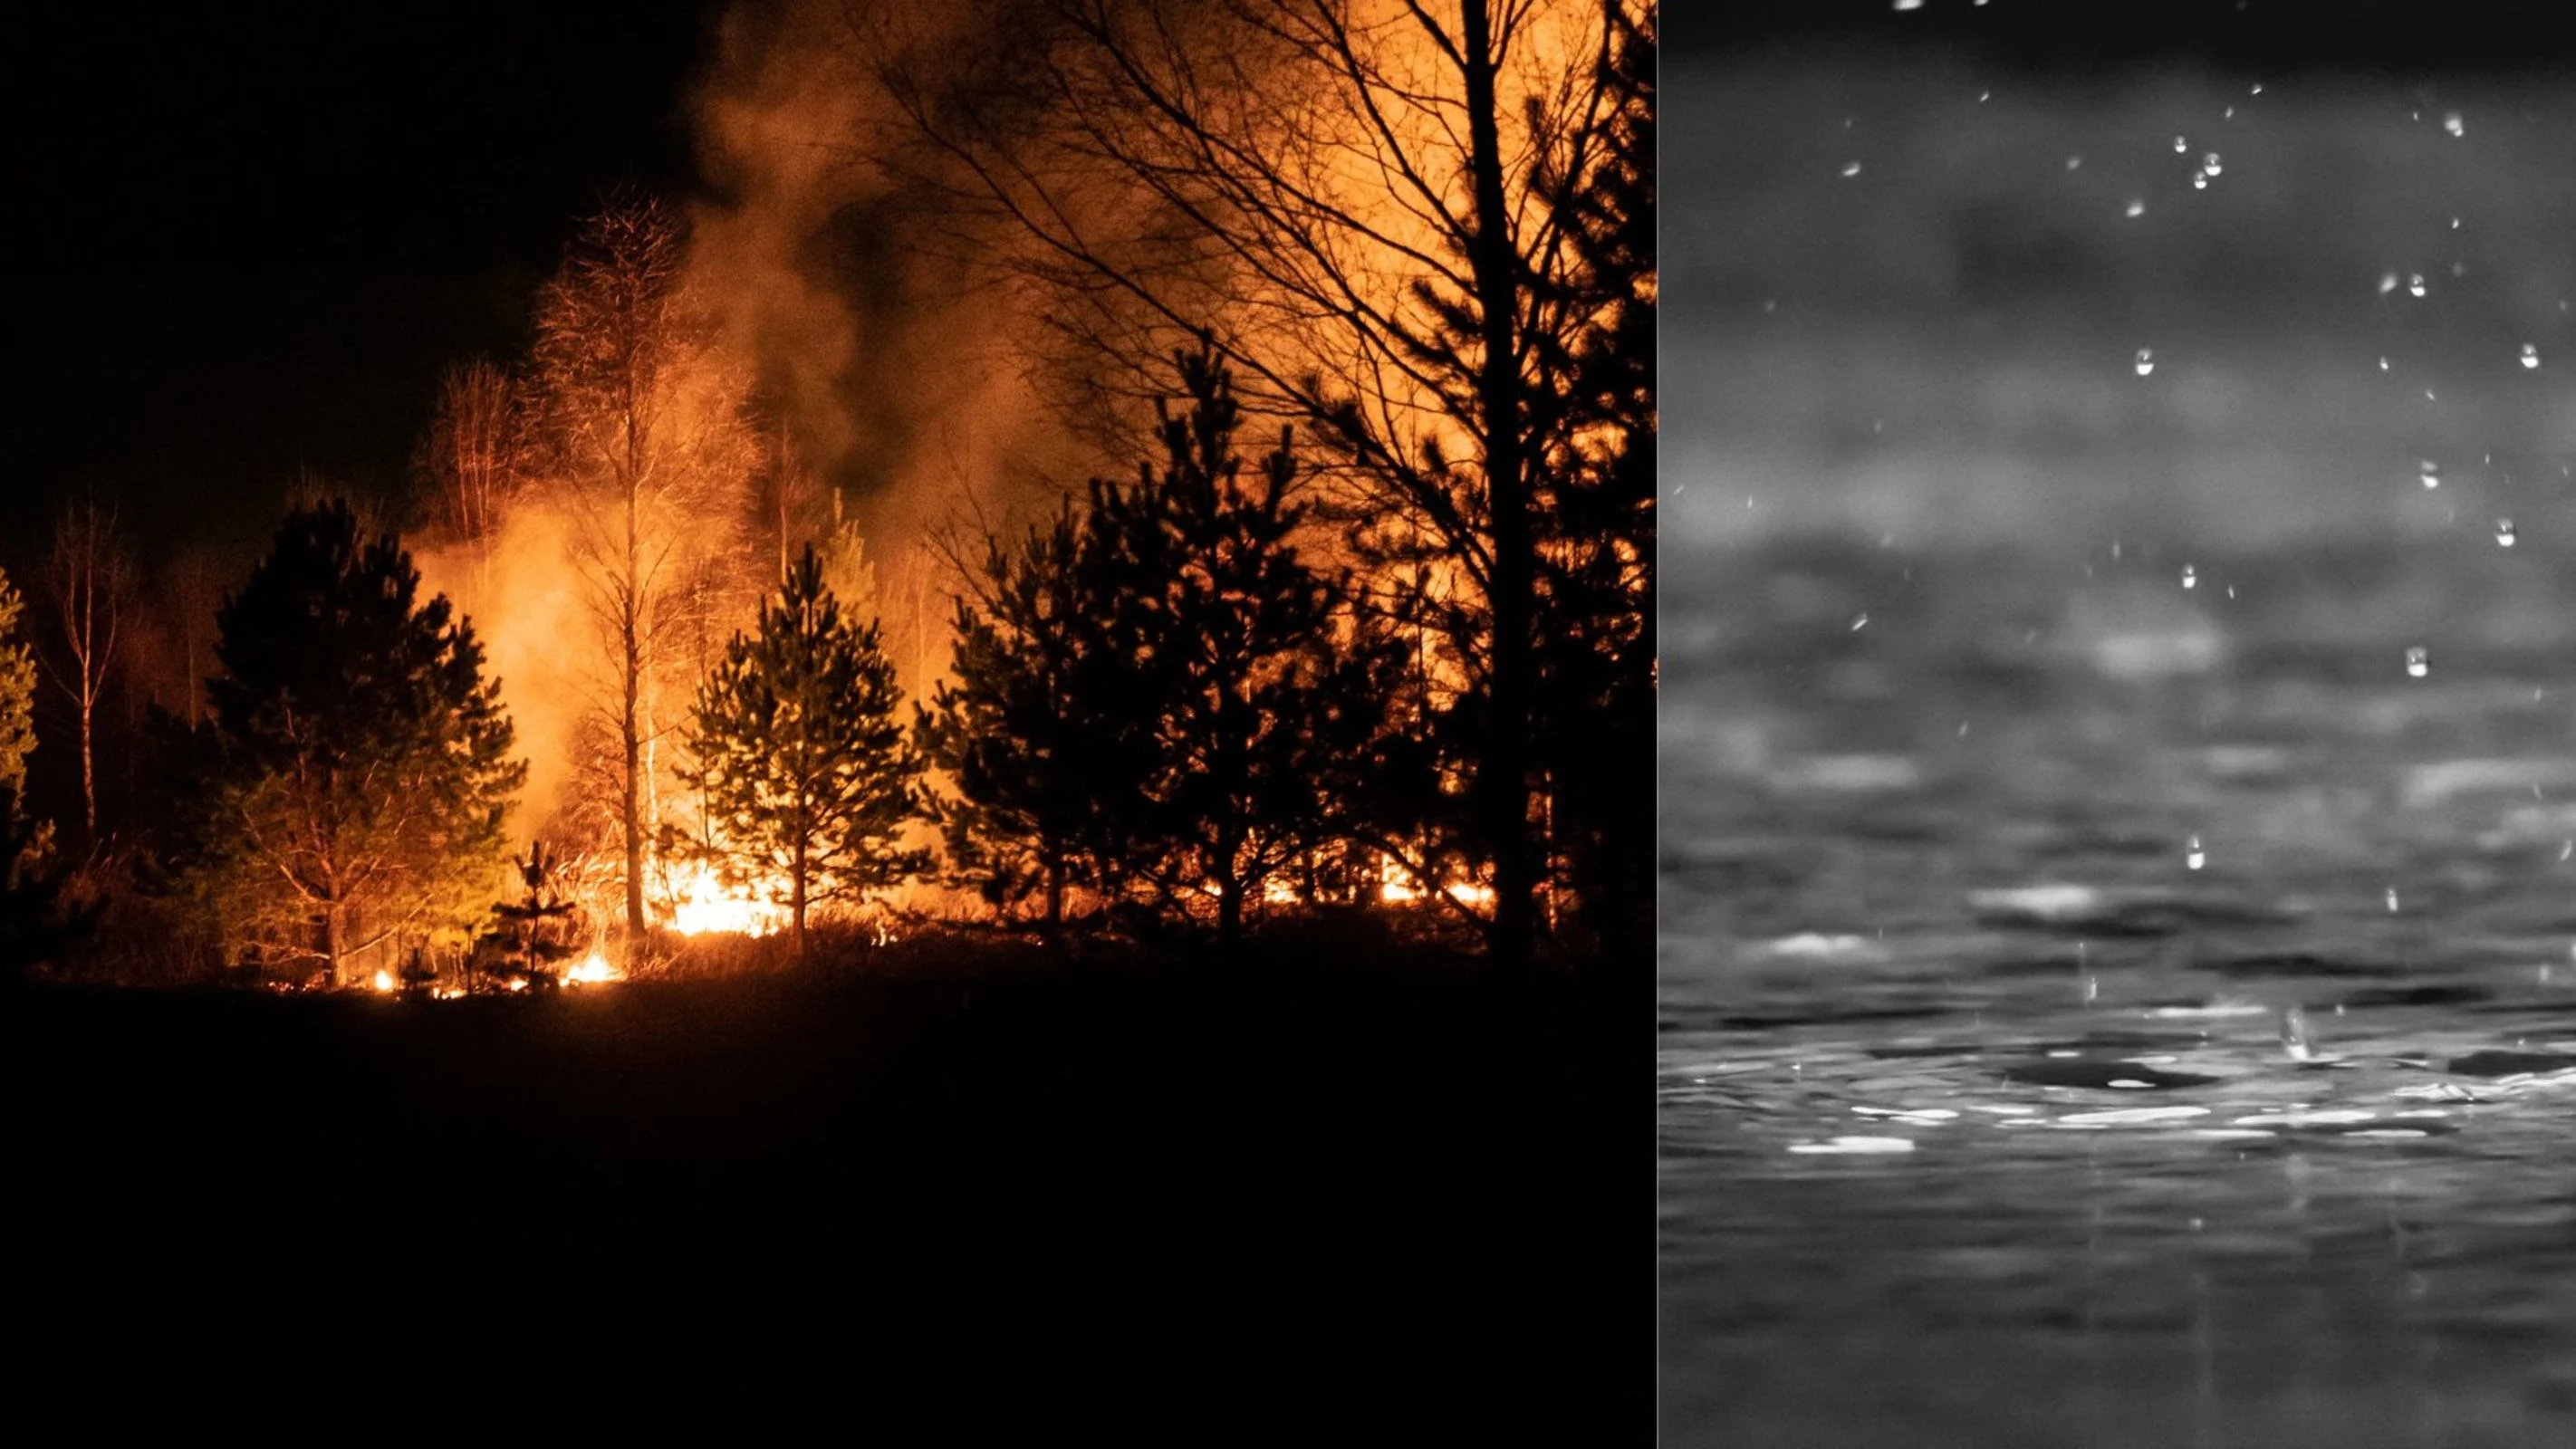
column 384, row 981
column 1399, row 886
column 701, row 905
column 593, row 969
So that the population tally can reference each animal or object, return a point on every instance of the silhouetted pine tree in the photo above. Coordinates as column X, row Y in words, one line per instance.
column 1266, row 703
column 1594, row 715
column 1030, row 731
column 807, row 775
column 534, row 937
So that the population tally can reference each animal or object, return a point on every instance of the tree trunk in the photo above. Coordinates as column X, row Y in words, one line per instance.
column 631, row 728
column 331, row 937
column 796, row 899
column 1503, row 780
column 1054, row 857
column 89, row 780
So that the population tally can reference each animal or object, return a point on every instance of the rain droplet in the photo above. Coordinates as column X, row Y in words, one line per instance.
column 2383, row 364
column 2146, row 361
column 2195, row 857
column 2451, row 123
column 2392, row 900
column 2455, row 223
column 1852, row 168
column 2136, row 208
column 2199, row 181
column 2387, row 283
column 2181, row 145
column 2231, row 591
column 2190, row 579
column 2419, row 661
column 2530, row 355
column 2504, row 533
column 2414, row 280
column 2459, row 269
column 2227, row 115
column 1981, row 96
column 2430, row 473
column 2258, row 89
column 1909, row 4
column 2074, row 161
column 2209, row 163
column 1859, row 622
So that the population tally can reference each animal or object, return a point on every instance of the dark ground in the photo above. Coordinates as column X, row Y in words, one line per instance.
column 1100, row 1197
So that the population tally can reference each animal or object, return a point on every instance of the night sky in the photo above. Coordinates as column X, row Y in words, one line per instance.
column 241, row 247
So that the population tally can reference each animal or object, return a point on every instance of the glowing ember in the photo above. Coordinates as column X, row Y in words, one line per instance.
column 703, row 905
column 384, row 981
column 593, row 968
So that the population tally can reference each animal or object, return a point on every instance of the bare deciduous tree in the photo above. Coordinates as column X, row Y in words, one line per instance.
column 472, row 459
column 646, row 447
column 89, row 576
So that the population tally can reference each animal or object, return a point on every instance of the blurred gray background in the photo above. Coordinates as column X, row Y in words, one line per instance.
column 1911, row 259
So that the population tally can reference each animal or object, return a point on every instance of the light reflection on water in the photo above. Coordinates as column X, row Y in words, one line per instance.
column 1979, row 1119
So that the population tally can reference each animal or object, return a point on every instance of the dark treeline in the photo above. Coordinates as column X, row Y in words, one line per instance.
column 1366, row 631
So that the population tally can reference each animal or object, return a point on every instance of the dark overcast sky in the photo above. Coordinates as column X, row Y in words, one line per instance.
column 238, row 241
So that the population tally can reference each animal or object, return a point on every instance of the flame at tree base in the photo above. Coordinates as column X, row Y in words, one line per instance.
column 701, row 905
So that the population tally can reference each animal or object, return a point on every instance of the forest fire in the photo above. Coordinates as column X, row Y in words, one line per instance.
column 701, row 905
column 593, row 970
column 670, row 633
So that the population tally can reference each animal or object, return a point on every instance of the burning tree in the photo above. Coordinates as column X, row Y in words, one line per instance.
column 349, row 783
column 646, row 447
column 1392, row 205
column 807, row 777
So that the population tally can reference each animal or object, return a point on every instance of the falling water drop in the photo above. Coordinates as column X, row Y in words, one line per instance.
column 2146, row 361
column 2190, row 578
column 1909, row 4
column 1860, row 623
column 2530, row 355
column 2414, row 280
column 2387, row 283
column 1852, row 168
column 2209, row 163
column 2072, row 162
column 2504, row 533
column 2136, row 208
column 2227, row 115
column 2429, row 473
column 2194, row 857
column 2392, row 900
column 2181, row 146
column 2383, row 364
column 2200, row 181
column 2451, row 123
column 2419, row 661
